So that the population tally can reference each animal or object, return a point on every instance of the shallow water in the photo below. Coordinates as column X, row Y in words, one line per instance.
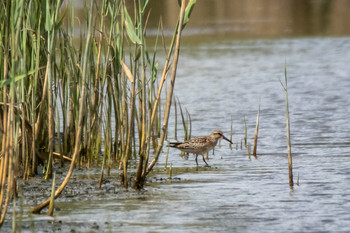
column 237, row 194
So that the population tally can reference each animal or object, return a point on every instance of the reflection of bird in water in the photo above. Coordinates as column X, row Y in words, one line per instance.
column 201, row 145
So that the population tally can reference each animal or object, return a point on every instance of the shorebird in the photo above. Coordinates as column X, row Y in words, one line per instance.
column 201, row 145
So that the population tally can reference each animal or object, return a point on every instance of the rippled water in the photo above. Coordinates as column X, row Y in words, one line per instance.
column 217, row 81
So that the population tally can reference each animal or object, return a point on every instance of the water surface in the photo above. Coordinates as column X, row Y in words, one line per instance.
column 237, row 194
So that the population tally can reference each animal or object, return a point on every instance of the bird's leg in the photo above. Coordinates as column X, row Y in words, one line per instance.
column 197, row 160
column 205, row 161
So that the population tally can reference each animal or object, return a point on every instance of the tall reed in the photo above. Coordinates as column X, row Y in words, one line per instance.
column 245, row 133
column 231, row 133
column 290, row 163
column 256, row 133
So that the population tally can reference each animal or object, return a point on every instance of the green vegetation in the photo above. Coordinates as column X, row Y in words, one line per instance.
column 73, row 89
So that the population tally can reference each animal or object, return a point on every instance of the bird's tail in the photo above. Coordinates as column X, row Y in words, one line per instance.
column 174, row 144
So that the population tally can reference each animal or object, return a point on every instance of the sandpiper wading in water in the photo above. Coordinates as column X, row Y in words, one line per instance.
column 201, row 145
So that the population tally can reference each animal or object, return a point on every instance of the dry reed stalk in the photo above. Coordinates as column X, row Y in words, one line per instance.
column 256, row 133
column 8, row 149
column 52, row 199
column 10, row 178
column 170, row 92
column 289, row 147
column 4, row 152
column 4, row 167
column 51, row 127
column 245, row 133
column 144, row 142
column 14, row 215
column 101, row 173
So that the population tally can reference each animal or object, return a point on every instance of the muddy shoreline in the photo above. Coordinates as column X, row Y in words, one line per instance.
column 82, row 187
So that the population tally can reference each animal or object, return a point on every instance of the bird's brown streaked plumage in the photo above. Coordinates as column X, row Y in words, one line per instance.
column 201, row 145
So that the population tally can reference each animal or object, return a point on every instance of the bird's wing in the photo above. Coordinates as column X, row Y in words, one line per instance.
column 191, row 143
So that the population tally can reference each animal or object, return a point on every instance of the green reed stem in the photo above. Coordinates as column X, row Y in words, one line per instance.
column 184, row 124
column 166, row 159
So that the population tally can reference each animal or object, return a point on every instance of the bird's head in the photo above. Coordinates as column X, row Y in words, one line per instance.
column 218, row 134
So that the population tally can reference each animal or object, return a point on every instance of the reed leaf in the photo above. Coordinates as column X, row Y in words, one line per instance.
column 127, row 72
column 184, row 124
column 130, row 29
column 17, row 78
column 188, row 12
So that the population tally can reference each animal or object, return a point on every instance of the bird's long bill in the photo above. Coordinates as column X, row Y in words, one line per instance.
column 227, row 139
